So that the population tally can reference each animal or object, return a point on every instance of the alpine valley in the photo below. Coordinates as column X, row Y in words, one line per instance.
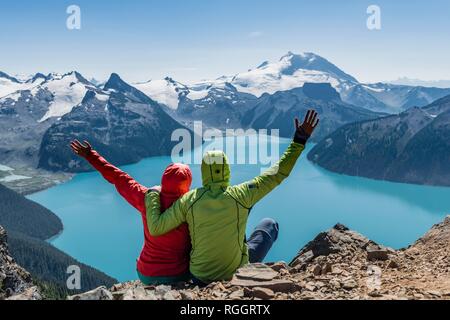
column 39, row 115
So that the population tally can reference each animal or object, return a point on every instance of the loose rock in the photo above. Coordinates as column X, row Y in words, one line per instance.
column 100, row 293
column 262, row 293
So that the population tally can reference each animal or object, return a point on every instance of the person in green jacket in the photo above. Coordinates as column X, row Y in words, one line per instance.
column 217, row 213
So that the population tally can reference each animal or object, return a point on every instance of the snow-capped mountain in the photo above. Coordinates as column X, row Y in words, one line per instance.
column 37, row 123
column 20, row 128
column 31, row 106
column 229, row 101
column 291, row 71
column 116, row 118
column 170, row 93
column 9, row 85
column 65, row 91
column 224, row 107
column 294, row 70
column 220, row 106
column 166, row 91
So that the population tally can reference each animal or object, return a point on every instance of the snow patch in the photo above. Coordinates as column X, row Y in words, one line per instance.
column 162, row 91
column 197, row 95
column 102, row 97
column 374, row 89
column 15, row 96
column 68, row 92
column 5, row 168
column 270, row 80
column 13, row 177
column 10, row 89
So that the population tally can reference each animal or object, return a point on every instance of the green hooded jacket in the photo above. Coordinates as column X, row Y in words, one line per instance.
column 217, row 213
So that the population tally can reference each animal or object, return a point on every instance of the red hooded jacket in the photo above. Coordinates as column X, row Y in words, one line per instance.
column 166, row 255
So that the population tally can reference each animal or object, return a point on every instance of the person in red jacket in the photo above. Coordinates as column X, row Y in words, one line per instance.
column 164, row 259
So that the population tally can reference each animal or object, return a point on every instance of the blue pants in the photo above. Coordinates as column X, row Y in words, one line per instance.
column 262, row 239
column 259, row 243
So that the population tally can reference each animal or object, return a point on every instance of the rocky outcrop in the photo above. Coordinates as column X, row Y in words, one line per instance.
column 337, row 264
column 15, row 282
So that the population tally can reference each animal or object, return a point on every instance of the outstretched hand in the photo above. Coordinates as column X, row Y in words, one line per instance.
column 306, row 129
column 81, row 149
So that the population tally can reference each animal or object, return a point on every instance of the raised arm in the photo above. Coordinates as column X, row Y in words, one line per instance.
column 159, row 224
column 127, row 187
column 250, row 192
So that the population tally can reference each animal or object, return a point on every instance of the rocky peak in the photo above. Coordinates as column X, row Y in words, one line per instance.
column 36, row 77
column 15, row 282
column 116, row 83
column 80, row 78
column 90, row 94
column 7, row 76
column 170, row 80
column 320, row 91
column 336, row 264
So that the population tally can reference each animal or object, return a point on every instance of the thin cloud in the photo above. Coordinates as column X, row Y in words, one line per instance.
column 255, row 34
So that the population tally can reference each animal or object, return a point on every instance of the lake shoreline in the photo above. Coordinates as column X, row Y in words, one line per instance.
column 103, row 230
column 39, row 181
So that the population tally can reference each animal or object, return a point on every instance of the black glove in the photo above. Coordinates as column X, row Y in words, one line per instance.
column 301, row 136
column 305, row 130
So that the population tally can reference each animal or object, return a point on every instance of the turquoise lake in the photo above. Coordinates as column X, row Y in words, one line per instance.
column 102, row 230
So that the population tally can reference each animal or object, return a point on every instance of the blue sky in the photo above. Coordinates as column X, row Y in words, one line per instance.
column 199, row 39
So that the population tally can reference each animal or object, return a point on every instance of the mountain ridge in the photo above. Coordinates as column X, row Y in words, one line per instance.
column 289, row 72
column 276, row 111
column 412, row 147
column 116, row 117
column 293, row 70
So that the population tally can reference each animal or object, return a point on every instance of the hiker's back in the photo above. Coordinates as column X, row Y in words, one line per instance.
column 215, row 221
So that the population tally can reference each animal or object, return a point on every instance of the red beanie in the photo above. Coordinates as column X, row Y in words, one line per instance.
column 175, row 182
